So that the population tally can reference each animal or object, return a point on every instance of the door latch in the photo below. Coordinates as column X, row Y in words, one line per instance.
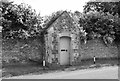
column 63, row 50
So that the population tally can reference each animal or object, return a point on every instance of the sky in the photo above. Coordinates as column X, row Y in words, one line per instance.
column 47, row 7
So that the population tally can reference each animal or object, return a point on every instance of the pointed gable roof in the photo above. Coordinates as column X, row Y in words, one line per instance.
column 48, row 25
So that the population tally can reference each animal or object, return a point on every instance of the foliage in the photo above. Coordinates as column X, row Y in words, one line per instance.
column 19, row 21
column 101, row 23
column 101, row 19
column 111, row 7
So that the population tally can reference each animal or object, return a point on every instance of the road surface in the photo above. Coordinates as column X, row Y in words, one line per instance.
column 110, row 72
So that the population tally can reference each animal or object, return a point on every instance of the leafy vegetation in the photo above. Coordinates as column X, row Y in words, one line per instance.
column 19, row 21
column 111, row 7
column 101, row 19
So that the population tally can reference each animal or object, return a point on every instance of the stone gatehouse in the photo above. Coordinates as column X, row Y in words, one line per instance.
column 62, row 41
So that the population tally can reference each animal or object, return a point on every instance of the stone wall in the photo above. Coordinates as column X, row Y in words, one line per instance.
column 97, row 48
column 14, row 51
column 22, row 50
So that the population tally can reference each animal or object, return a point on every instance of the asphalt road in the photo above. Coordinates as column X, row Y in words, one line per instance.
column 110, row 72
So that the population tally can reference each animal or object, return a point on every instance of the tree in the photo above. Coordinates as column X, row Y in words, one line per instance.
column 100, row 24
column 111, row 7
column 102, row 19
column 19, row 21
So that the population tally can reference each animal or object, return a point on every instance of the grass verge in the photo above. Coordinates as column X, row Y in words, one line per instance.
column 23, row 69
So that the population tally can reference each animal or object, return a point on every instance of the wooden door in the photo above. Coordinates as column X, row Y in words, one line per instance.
column 65, row 50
